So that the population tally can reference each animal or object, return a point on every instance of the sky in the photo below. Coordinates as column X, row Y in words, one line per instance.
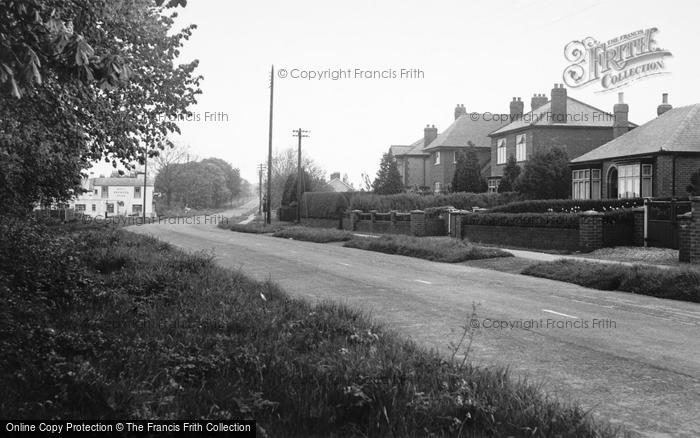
column 480, row 54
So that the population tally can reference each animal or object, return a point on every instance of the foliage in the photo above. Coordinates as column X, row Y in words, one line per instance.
column 670, row 283
column 209, row 183
column 289, row 196
column 83, row 81
column 568, row 205
column 545, row 220
column 285, row 165
column 413, row 201
column 254, row 227
column 694, row 186
column 511, row 173
column 467, row 176
column 318, row 235
column 325, row 205
column 546, row 175
column 388, row 180
column 439, row 249
column 152, row 333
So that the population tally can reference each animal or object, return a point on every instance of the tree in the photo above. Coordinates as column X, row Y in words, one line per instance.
column 284, row 164
column 366, row 185
column 388, row 180
column 546, row 176
column 231, row 175
column 467, row 176
column 511, row 172
column 82, row 81
column 168, row 171
column 289, row 196
column 694, row 186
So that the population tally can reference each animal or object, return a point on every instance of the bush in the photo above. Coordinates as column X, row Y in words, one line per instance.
column 544, row 220
column 567, row 205
column 671, row 283
column 413, row 201
column 324, row 205
column 439, row 249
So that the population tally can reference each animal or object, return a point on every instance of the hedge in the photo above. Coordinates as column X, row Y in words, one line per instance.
column 413, row 201
column 547, row 220
column 324, row 205
column 568, row 205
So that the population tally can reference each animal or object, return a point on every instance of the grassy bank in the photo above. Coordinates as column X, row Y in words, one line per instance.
column 106, row 324
column 254, row 227
column 439, row 249
column 318, row 235
column 672, row 283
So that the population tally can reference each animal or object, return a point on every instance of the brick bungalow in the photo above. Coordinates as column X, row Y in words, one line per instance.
column 564, row 122
column 429, row 163
column 653, row 160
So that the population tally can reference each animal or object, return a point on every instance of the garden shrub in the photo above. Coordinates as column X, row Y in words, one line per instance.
column 545, row 220
column 568, row 205
column 324, row 205
column 412, row 201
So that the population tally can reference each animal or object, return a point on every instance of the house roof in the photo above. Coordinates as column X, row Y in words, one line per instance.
column 465, row 130
column 415, row 148
column 339, row 185
column 580, row 114
column 676, row 130
column 125, row 182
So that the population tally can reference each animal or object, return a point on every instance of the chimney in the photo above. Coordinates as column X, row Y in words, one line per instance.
column 621, row 111
column 664, row 105
column 517, row 107
column 538, row 100
column 430, row 134
column 559, row 113
column 335, row 175
column 460, row 110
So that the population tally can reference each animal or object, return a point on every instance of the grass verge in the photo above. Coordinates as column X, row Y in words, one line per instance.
column 439, row 249
column 318, row 235
column 672, row 283
column 101, row 324
column 255, row 227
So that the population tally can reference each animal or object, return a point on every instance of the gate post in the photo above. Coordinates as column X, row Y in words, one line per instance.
column 694, row 231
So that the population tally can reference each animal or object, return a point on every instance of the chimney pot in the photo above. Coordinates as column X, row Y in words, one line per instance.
column 621, row 116
column 559, row 104
column 665, row 106
column 620, row 97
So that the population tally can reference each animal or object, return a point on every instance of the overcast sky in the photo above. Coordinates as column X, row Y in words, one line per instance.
column 480, row 54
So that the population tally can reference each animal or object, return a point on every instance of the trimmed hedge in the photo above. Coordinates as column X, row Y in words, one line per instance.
column 414, row 201
column 324, row 205
column 547, row 220
column 568, row 205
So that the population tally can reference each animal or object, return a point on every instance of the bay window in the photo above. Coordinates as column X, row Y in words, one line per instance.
column 628, row 181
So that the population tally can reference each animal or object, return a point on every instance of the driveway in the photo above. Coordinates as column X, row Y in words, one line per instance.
column 633, row 360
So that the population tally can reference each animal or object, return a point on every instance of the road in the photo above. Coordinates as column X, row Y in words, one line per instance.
column 633, row 360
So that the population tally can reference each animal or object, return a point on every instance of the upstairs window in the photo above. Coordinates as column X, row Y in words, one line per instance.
column 105, row 191
column 501, row 151
column 437, row 158
column 137, row 192
column 521, row 147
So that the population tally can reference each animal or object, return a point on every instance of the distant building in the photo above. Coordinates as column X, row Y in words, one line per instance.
column 563, row 122
column 653, row 160
column 429, row 163
column 114, row 196
column 338, row 185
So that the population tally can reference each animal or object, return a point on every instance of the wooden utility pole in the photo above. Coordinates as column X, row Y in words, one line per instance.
column 145, row 179
column 299, row 133
column 268, row 217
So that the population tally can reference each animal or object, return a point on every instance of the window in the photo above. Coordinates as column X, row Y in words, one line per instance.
column 521, row 147
column 95, row 191
column 493, row 185
column 94, row 207
column 437, row 158
column 105, row 191
column 647, row 174
column 501, row 150
column 628, row 181
column 581, row 184
column 438, row 187
column 110, row 208
column 136, row 209
column 454, row 160
column 595, row 184
column 137, row 192
column 79, row 207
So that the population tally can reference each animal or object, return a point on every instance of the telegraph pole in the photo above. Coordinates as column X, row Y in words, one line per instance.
column 261, row 167
column 299, row 133
column 269, row 150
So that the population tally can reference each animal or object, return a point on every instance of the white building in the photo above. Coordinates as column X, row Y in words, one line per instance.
column 114, row 196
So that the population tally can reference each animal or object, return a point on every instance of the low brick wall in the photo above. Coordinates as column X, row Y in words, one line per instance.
column 566, row 239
